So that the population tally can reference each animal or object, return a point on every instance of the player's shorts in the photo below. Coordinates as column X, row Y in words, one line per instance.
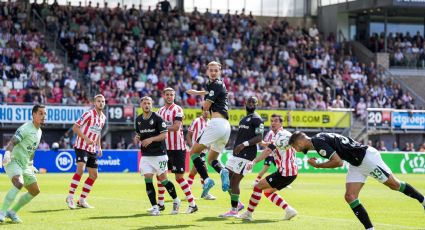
column 176, row 160
column 153, row 164
column 237, row 165
column 216, row 134
column 277, row 181
column 88, row 158
column 269, row 160
column 26, row 174
column 372, row 165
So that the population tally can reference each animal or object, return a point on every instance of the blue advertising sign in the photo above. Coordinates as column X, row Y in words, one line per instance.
column 408, row 120
column 55, row 114
column 64, row 161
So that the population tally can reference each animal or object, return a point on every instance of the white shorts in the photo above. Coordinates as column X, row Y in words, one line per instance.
column 216, row 134
column 237, row 165
column 153, row 165
column 372, row 165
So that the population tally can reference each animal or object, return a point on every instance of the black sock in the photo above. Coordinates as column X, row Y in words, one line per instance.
column 150, row 190
column 200, row 166
column 410, row 191
column 216, row 165
column 361, row 213
column 234, row 200
column 170, row 188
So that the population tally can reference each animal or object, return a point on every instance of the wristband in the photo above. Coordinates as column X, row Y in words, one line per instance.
column 245, row 143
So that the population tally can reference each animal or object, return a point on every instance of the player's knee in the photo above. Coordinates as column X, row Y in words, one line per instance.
column 34, row 192
column 17, row 183
column 350, row 197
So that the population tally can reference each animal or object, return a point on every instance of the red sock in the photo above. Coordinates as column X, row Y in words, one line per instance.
column 88, row 184
column 187, row 191
column 276, row 199
column 258, row 179
column 190, row 179
column 74, row 184
column 161, row 193
column 255, row 199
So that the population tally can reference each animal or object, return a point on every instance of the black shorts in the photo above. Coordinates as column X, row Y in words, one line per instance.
column 277, row 181
column 88, row 158
column 176, row 160
column 269, row 161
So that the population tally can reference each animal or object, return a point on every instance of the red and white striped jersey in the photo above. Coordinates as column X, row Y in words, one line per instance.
column 270, row 135
column 286, row 161
column 91, row 124
column 175, row 139
column 196, row 127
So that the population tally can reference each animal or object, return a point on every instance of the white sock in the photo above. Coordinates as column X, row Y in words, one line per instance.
column 176, row 200
column 372, row 228
column 423, row 202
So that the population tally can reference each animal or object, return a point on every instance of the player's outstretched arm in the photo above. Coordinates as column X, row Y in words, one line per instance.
column 196, row 92
column 259, row 158
column 334, row 162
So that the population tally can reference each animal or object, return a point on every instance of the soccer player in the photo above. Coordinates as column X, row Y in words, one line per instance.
column 18, row 164
column 172, row 115
column 89, row 134
column 287, row 170
column 276, row 126
column 152, row 132
column 193, row 133
column 217, row 133
column 250, row 133
column 363, row 161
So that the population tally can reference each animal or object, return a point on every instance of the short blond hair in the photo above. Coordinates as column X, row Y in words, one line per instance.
column 214, row 63
column 168, row 89
column 98, row 95
column 145, row 98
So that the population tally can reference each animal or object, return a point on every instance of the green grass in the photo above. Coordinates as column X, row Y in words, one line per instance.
column 121, row 203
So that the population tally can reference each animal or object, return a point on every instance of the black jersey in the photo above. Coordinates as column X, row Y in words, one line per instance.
column 249, row 127
column 151, row 127
column 217, row 95
column 327, row 144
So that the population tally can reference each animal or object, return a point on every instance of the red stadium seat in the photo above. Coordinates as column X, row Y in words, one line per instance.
column 10, row 100
column 22, row 92
column 51, row 100
column 19, row 100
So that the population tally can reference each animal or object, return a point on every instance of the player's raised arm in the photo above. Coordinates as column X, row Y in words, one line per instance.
column 196, row 92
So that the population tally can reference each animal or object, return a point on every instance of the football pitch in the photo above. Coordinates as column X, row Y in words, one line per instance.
column 120, row 202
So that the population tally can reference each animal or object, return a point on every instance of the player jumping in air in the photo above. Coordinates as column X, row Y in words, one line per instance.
column 217, row 133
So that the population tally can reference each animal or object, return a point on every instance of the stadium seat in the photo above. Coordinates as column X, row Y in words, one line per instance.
column 19, row 100
column 10, row 100
column 22, row 92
